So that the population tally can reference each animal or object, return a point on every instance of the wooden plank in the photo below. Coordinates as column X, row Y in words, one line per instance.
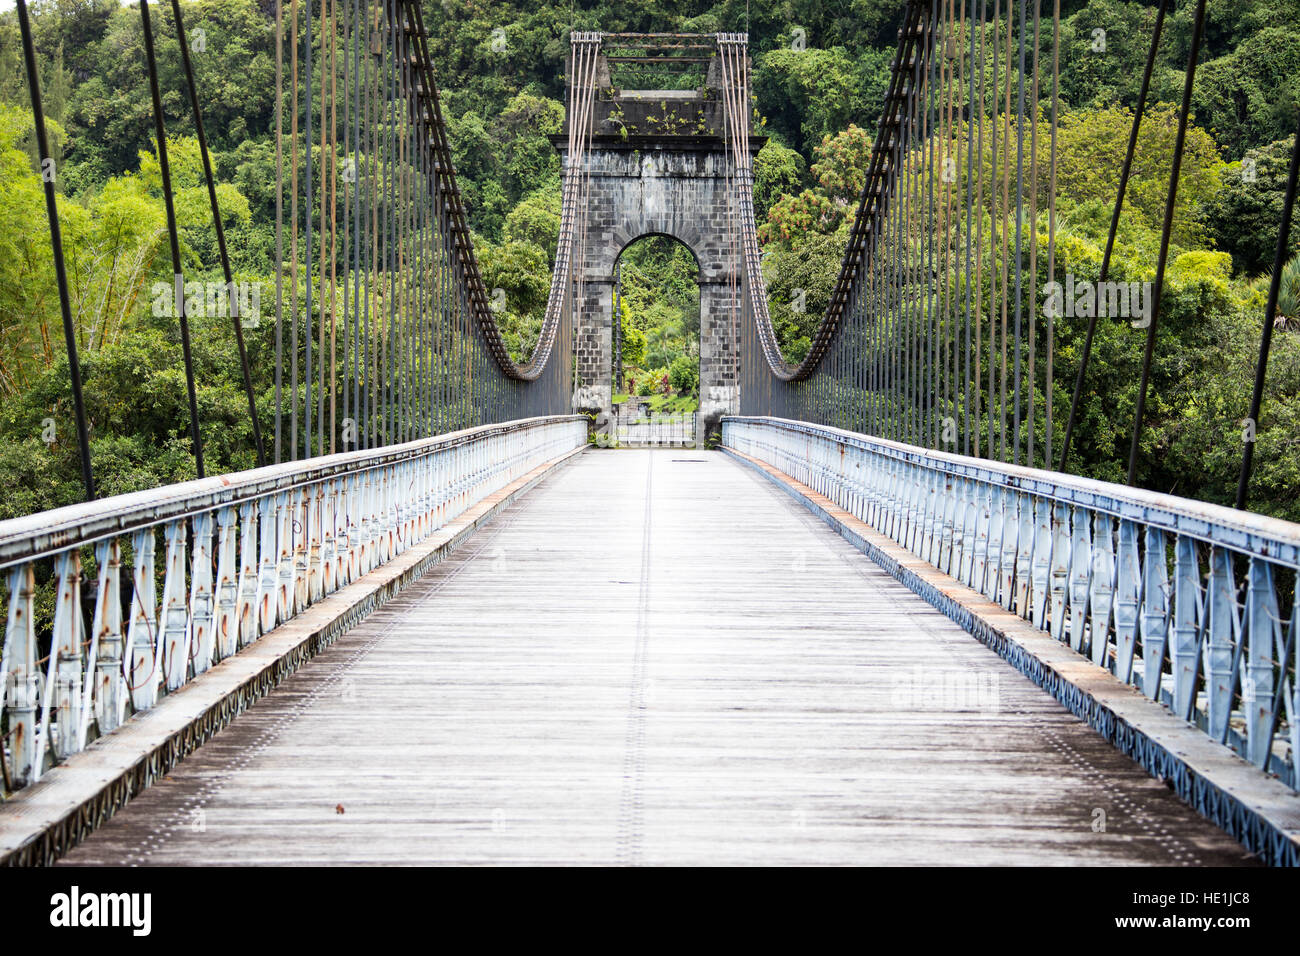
column 657, row 657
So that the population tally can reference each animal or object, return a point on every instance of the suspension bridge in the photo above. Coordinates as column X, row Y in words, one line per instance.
column 868, row 617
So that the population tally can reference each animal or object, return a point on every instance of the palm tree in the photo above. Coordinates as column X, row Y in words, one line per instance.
column 663, row 342
column 1287, row 316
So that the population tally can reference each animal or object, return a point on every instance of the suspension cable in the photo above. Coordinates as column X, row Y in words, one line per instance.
column 1125, row 170
column 178, row 278
column 48, row 174
column 232, row 296
column 1266, row 332
column 1184, row 115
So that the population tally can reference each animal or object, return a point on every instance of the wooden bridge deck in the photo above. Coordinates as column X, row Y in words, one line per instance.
column 657, row 657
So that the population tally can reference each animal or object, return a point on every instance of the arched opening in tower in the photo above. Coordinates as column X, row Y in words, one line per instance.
column 655, row 354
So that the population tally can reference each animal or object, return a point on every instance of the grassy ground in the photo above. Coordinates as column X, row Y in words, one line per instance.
column 663, row 404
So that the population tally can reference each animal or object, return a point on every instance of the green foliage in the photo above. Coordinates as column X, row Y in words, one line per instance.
column 109, row 112
column 1091, row 139
column 655, row 380
column 502, row 105
column 1109, row 75
column 777, row 170
column 840, row 174
column 139, row 421
column 517, row 278
column 1249, row 96
column 634, row 345
column 500, row 161
column 799, row 282
column 1244, row 214
column 684, row 374
column 660, row 309
column 527, row 158
column 808, row 94
column 111, row 240
column 474, row 157
column 667, row 403
column 1246, row 88
column 1287, row 314
column 536, row 220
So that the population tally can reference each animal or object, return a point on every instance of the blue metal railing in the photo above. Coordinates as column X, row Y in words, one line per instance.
column 1177, row 597
column 243, row 553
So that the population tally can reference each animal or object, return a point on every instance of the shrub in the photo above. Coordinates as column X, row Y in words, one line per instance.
column 684, row 374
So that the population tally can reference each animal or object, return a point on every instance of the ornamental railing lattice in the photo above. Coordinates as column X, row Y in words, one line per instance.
column 240, row 554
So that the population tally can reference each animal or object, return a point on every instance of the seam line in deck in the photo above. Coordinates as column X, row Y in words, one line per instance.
column 631, row 801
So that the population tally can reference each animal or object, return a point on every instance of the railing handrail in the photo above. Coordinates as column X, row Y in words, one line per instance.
column 46, row 533
column 1272, row 539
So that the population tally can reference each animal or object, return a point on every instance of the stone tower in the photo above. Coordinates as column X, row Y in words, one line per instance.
column 658, row 165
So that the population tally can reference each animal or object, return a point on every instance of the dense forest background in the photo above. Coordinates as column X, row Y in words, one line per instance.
column 817, row 101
